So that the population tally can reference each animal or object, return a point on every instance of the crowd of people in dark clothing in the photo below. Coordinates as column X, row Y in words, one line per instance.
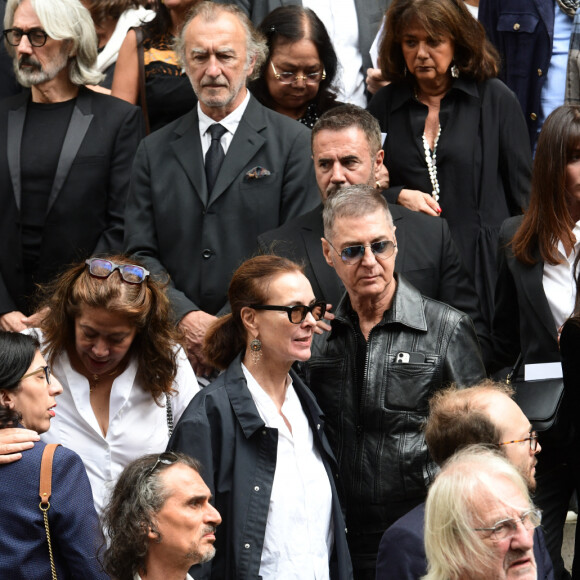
column 285, row 254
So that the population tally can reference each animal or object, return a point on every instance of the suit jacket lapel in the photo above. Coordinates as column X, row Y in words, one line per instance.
column 187, row 149
column 16, row 118
column 77, row 129
column 546, row 11
column 246, row 142
column 400, row 235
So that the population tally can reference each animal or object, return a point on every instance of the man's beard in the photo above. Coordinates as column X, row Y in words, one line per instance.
column 37, row 75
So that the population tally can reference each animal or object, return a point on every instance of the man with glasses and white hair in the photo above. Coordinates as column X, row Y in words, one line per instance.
column 390, row 348
column 65, row 153
column 480, row 520
column 159, row 521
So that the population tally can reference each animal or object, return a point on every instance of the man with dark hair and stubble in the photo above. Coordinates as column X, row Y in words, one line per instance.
column 159, row 521
column 484, row 414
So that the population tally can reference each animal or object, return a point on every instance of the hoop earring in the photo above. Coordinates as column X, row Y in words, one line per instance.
column 256, row 350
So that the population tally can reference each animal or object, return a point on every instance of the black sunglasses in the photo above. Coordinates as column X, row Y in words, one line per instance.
column 131, row 273
column 354, row 254
column 296, row 314
column 36, row 36
column 166, row 458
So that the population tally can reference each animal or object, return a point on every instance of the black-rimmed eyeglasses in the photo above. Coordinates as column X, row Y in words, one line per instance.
column 288, row 78
column 298, row 313
column 533, row 439
column 36, row 36
column 131, row 273
column 505, row 529
column 45, row 370
column 166, row 458
column 354, row 254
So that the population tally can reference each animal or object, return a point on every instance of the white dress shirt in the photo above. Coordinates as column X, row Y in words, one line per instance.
column 230, row 123
column 341, row 21
column 559, row 282
column 137, row 425
column 299, row 538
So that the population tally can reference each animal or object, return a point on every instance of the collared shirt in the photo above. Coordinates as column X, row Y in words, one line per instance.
column 299, row 537
column 230, row 122
column 559, row 282
column 341, row 21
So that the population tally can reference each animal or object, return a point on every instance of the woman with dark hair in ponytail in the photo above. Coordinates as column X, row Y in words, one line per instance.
column 27, row 401
column 258, row 432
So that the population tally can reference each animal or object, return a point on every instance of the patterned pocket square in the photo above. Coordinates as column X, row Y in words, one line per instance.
column 257, row 173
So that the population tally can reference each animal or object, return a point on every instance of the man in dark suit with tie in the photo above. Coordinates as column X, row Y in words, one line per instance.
column 65, row 153
column 346, row 148
column 205, row 186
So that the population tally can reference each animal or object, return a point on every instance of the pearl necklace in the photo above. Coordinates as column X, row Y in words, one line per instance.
column 431, row 160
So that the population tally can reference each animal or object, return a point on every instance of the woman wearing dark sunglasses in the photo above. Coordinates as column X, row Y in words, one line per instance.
column 27, row 400
column 110, row 341
column 258, row 432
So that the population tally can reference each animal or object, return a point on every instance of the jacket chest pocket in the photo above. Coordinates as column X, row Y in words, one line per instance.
column 408, row 386
column 325, row 379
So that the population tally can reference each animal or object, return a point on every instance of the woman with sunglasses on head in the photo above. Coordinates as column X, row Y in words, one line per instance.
column 297, row 78
column 27, row 401
column 258, row 432
column 110, row 341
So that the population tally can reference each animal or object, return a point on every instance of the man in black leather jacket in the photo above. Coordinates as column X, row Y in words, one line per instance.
column 389, row 349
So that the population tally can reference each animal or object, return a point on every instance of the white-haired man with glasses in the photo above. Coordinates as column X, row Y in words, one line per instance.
column 159, row 521
column 65, row 154
column 390, row 348
column 480, row 520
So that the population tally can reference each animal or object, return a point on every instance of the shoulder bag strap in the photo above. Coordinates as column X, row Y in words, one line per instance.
column 142, row 94
column 45, row 491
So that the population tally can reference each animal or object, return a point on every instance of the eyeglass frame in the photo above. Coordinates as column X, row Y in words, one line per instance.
column 289, row 309
column 45, row 369
column 378, row 255
column 305, row 78
column 89, row 263
column 166, row 458
column 36, row 29
column 533, row 439
column 513, row 524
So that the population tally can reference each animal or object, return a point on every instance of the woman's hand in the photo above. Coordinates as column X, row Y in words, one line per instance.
column 375, row 80
column 322, row 326
column 419, row 201
column 13, row 441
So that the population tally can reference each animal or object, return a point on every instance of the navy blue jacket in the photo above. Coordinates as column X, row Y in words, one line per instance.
column 523, row 32
column 222, row 428
column 402, row 551
column 73, row 522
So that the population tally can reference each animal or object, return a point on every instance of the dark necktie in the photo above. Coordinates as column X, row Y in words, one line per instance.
column 214, row 156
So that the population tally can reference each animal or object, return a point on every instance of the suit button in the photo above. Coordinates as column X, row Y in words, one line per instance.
column 517, row 26
column 247, row 546
column 206, row 254
column 540, row 73
column 533, row 116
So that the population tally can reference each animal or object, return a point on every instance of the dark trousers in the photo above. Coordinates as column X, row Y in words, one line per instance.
column 556, row 482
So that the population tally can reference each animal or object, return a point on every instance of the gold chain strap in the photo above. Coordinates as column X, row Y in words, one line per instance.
column 44, row 511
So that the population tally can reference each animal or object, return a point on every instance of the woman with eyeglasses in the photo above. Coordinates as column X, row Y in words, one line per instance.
column 259, row 434
column 536, row 294
column 110, row 341
column 297, row 78
column 27, row 401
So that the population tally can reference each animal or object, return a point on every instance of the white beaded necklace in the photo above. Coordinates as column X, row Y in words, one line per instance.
column 431, row 160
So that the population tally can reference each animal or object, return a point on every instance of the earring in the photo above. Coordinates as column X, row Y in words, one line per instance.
column 256, row 350
column 405, row 71
column 454, row 71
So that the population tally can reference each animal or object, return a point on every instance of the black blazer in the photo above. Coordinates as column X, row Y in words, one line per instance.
column 523, row 320
column 175, row 226
column 427, row 257
column 87, row 202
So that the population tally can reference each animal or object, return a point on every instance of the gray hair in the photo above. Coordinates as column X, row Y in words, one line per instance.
column 452, row 546
column 347, row 116
column 353, row 201
column 66, row 20
column 131, row 513
column 256, row 46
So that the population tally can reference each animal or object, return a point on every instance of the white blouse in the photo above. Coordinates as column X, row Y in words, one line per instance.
column 137, row 425
column 299, row 535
